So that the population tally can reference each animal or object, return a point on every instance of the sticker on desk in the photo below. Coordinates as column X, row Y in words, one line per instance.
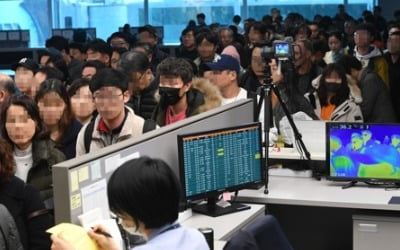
column 394, row 200
column 76, row 201
column 112, row 163
column 74, row 182
column 95, row 170
column 83, row 174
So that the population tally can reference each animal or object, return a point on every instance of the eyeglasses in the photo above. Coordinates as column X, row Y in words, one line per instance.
column 101, row 98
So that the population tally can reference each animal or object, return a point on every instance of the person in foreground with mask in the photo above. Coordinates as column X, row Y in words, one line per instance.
column 145, row 193
column 331, row 97
column 180, row 95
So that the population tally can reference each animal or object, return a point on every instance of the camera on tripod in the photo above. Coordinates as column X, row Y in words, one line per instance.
column 279, row 50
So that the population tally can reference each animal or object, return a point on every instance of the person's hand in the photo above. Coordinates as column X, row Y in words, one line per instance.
column 59, row 243
column 102, row 241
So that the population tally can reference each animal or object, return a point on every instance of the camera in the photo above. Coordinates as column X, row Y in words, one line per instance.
column 280, row 50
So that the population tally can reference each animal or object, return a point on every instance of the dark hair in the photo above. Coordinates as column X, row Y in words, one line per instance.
column 133, row 61
column 56, row 86
column 76, row 85
column 307, row 44
column 33, row 111
column 344, row 90
column 108, row 78
column 145, row 189
column 52, row 73
column 258, row 26
column 337, row 34
column 201, row 15
column 76, row 45
column 349, row 62
column 208, row 36
column 187, row 30
column 236, row 19
column 120, row 35
column 119, row 50
column 368, row 27
column 7, row 162
column 178, row 67
column 58, row 42
column 303, row 28
column 94, row 64
column 100, row 46
column 8, row 85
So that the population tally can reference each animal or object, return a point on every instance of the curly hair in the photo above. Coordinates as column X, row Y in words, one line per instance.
column 7, row 163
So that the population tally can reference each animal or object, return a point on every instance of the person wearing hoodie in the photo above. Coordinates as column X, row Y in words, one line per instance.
column 180, row 95
column 331, row 98
column 376, row 104
column 368, row 54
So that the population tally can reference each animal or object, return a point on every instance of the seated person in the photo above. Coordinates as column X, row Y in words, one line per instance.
column 23, row 202
column 137, row 191
column 179, row 98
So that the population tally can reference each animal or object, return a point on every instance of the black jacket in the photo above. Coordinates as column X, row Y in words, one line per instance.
column 67, row 144
column 28, row 211
column 144, row 103
column 249, row 81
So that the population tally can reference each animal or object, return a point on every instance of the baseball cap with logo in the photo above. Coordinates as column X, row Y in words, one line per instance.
column 26, row 63
column 225, row 63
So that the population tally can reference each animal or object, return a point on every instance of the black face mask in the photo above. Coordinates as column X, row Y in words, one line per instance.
column 169, row 96
column 332, row 87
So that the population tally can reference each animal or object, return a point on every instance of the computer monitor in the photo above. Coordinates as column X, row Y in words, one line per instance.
column 363, row 152
column 216, row 161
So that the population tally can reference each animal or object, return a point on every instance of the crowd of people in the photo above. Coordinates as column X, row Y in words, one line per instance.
column 85, row 95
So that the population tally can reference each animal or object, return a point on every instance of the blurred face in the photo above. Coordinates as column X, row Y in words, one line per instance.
column 188, row 40
column 77, row 54
column 349, row 28
column 314, row 31
column 206, row 50
column 44, row 59
column 88, row 72
column 225, row 38
column 257, row 62
column 24, row 79
column 147, row 37
column 139, row 81
column 51, row 108
column 174, row 82
column 335, row 45
column 82, row 103
column 114, row 59
column 118, row 42
column 95, row 55
column 223, row 78
column 255, row 35
column 393, row 44
column 362, row 38
column 20, row 126
column 333, row 82
column 110, row 102
column 40, row 77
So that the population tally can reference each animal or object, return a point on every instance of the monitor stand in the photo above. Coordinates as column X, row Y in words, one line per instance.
column 349, row 185
column 211, row 208
column 395, row 185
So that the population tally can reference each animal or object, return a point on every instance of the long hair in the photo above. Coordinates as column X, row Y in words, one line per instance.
column 342, row 94
column 7, row 162
column 56, row 86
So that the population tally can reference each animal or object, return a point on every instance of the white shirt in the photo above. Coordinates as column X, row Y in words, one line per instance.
column 242, row 95
column 23, row 162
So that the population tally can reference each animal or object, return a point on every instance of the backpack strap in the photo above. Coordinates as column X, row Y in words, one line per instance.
column 149, row 125
column 88, row 135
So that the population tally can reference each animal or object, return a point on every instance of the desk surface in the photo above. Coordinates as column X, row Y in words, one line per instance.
column 226, row 226
column 293, row 154
column 310, row 192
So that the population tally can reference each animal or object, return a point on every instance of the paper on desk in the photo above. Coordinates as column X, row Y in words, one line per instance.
column 77, row 236
column 95, row 196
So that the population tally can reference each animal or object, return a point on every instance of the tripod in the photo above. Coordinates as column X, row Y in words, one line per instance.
column 266, row 89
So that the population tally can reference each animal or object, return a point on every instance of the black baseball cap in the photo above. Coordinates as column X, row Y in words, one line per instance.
column 26, row 63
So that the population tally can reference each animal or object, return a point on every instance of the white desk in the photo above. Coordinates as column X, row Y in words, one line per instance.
column 226, row 226
column 310, row 192
column 293, row 154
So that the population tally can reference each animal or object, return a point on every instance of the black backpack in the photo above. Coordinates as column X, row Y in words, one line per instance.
column 149, row 125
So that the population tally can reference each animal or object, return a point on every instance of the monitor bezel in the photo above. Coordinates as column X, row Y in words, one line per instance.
column 215, row 193
column 358, row 179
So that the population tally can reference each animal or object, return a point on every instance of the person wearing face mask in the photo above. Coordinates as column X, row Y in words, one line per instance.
column 180, row 95
column 332, row 98
column 144, row 193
